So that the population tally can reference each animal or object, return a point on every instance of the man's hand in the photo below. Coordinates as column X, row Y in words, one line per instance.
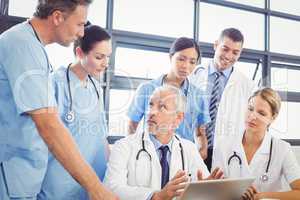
column 250, row 194
column 203, row 152
column 173, row 188
column 202, row 141
column 216, row 174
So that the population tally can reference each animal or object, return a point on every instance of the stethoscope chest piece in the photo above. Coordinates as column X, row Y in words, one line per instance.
column 70, row 116
column 264, row 178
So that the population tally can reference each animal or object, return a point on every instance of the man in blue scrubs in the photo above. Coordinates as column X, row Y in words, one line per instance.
column 29, row 120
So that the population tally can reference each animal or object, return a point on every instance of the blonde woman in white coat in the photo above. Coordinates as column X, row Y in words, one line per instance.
column 260, row 155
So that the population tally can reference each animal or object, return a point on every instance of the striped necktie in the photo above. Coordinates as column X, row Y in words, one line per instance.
column 213, row 108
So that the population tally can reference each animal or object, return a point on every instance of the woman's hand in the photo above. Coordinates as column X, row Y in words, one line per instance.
column 216, row 174
column 250, row 194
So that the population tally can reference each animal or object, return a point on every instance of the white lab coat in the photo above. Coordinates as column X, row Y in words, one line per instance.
column 136, row 180
column 233, row 103
column 283, row 163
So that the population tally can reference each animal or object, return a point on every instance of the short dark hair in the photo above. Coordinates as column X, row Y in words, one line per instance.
column 232, row 33
column 92, row 35
column 184, row 43
column 46, row 7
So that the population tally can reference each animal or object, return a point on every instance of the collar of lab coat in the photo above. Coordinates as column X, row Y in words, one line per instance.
column 264, row 147
column 199, row 77
column 175, row 161
column 174, row 143
column 158, row 144
column 170, row 144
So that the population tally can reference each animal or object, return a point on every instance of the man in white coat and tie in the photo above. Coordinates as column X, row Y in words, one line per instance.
column 156, row 164
column 226, row 88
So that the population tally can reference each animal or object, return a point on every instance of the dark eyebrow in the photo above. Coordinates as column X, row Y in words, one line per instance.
column 187, row 57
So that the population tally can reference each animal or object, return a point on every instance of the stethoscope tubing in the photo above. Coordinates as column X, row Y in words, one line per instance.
column 143, row 149
column 235, row 155
column 70, row 114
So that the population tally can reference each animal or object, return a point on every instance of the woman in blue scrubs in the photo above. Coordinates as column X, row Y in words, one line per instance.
column 80, row 102
column 184, row 56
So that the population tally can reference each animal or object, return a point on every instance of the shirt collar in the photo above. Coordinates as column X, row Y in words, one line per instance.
column 264, row 147
column 158, row 144
column 212, row 69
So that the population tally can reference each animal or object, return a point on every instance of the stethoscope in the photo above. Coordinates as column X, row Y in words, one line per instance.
column 70, row 115
column 264, row 177
column 202, row 68
column 186, row 90
column 143, row 149
column 37, row 37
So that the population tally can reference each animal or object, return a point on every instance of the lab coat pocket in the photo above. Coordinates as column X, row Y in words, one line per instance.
column 23, row 179
column 270, row 182
column 143, row 171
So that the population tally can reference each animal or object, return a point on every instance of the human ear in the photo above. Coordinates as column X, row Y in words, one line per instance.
column 216, row 44
column 79, row 53
column 57, row 17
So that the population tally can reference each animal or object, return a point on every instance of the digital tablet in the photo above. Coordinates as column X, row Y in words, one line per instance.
column 221, row 189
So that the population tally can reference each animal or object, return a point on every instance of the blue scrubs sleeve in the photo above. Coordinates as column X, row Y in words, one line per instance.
column 137, row 108
column 28, row 73
column 203, row 116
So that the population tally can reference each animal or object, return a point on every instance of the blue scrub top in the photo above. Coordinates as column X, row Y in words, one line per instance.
column 89, row 131
column 196, row 113
column 25, row 86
